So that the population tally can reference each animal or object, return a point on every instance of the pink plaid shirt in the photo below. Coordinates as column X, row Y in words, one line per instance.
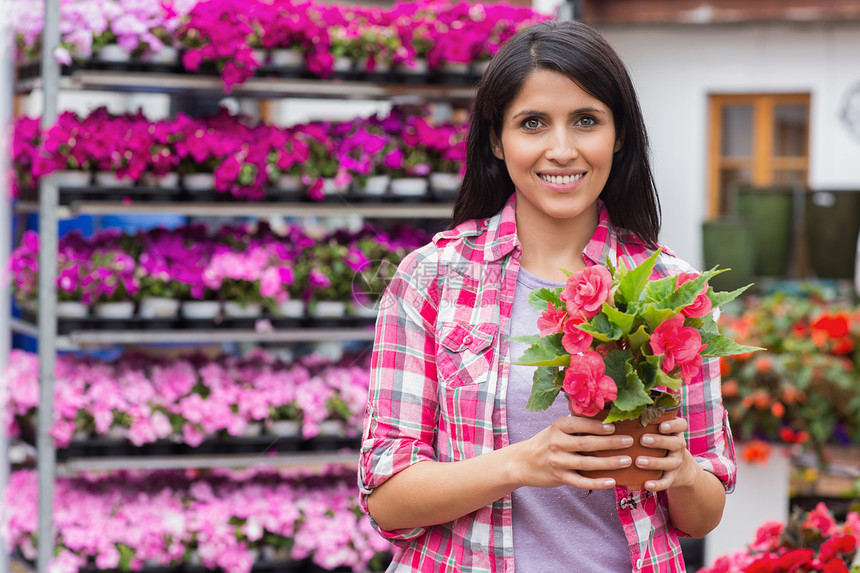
column 439, row 374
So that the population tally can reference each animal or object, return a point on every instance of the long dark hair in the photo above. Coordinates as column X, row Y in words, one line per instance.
column 579, row 52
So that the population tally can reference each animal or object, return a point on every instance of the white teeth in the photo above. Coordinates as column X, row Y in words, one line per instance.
column 562, row 180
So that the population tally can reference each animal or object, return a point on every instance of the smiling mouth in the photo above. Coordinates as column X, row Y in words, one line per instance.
column 561, row 179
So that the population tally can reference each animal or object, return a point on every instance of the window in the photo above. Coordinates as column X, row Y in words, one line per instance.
column 762, row 140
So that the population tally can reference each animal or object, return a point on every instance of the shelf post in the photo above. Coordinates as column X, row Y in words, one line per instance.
column 48, row 243
column 6, row 57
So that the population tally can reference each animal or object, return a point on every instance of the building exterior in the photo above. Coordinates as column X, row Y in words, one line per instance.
column 737, row 92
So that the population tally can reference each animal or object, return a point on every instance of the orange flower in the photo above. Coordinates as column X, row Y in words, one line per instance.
column 761, row 399
column 730, row 388
column 763, row 364
column 756, row 451
column 777, row 409
column 790, row 394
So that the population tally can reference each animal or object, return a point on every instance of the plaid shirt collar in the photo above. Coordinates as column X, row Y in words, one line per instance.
column 501, row 230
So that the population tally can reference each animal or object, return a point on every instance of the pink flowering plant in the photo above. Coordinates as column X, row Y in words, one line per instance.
column 813, row 540
column 612, row 338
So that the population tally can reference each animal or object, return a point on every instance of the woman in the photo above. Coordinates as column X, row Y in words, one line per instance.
column 454, row 470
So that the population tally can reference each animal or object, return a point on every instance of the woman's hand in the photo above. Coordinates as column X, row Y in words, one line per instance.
column 555, row 455
column 678, row 465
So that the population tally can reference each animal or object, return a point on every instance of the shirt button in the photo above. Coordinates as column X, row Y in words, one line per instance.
column 486, row 222
column 639, row 564
column 467, row 340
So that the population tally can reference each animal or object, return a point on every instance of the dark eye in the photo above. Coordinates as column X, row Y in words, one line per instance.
column 587, row 121
column 531, row 123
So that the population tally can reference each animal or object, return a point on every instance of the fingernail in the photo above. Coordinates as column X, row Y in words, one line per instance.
column 609, row 482
column 642, row 462
column 625, row 461
column 626, row 441
column 608, row 428
column 665, row 426
column 647, row 440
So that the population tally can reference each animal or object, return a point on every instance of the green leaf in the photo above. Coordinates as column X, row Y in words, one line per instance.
column 631, row 394
column 648, row 370
column 667, row 381
column 655, row 316
column 616, row 365
column 601, row 328
column 656, row 292
column 547, row 351
column 617, row 415
column 638, row 338
column 721, row 298
column 719, row 345
column 685, row 294
column 545, row 388
column 633, row 281
column 623, row 320
column 540, row 298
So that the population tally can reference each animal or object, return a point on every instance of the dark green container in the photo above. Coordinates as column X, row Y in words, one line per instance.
column 832, row 227
column 770, row 213
column 729, row 243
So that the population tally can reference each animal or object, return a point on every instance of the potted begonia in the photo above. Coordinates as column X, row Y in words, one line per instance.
column 620, row 345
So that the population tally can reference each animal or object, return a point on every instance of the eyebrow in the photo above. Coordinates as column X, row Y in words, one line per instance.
column 574, row 112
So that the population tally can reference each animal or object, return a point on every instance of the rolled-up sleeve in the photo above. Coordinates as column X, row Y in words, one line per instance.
column 709, row 436
column 402, row 412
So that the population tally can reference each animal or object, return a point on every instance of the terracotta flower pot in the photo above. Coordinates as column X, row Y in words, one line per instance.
column 632, row 477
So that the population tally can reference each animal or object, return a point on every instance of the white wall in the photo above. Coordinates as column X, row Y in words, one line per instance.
column 675, row 68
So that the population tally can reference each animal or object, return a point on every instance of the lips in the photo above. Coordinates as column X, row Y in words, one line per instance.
column 561, row 179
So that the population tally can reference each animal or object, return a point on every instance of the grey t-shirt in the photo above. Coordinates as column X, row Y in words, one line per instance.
column 561, row 529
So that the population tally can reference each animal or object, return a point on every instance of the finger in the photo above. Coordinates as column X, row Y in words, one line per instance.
column 674, row 426
column 662, row 484
column 668, row 463
column 671, row 442
column 589, row 443
column 580, row 425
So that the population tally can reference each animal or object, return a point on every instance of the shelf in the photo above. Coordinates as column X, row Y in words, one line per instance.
column 76, row 333
column 391, row 210
column 269, row 82
column 314, row 462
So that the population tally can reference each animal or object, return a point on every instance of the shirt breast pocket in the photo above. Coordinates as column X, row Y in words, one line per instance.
column 466, row 352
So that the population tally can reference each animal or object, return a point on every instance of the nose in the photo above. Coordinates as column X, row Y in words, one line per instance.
column 561, row 146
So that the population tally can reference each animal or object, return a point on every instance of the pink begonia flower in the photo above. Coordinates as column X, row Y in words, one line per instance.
column 587, row 384
column 852, row 525
column 680, row 346
column 586, row 291
column 702, row 305
column 836, row 546
column 575, row 340
column 820, row 519
column 551, row 321
column 767, row 536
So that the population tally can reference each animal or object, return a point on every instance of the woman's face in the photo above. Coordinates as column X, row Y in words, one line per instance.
column 557, row 142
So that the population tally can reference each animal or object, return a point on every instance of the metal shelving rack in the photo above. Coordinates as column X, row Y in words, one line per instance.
column 51, row 79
